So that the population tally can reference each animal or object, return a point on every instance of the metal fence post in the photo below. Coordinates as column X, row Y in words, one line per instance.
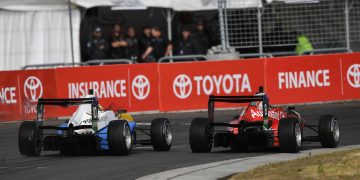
column 71, row 33
column 260, row 31
column 226, row 29
column 347, row 24
column 222, row 23
column 169, row 18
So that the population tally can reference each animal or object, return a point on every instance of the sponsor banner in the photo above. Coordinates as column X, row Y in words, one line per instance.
column 35, row 84
column 182, row 86
column 117, row 87
column 144, row 86
column 303, row 79
column 350, row 64
column 186, row 86
column 109, row 83
column 9, row 96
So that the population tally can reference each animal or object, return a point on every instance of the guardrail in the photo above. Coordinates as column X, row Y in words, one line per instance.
column 327, row 50
column 256, row 55
column 51, row 65
column 171, row 59
column 91, row 62
column 110, row 61
column 285, row 53
column 183, row 58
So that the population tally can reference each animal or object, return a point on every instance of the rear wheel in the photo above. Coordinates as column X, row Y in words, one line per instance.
column 289, row 135
column 119, row 137
column 201, row 135
column 329, row 131
column 29, row 139
column 161, row 134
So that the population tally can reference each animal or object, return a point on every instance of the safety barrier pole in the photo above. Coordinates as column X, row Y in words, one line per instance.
column 222, row 23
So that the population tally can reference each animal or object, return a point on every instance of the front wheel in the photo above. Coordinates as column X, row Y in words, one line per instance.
column 289, row 135
column 201, row 135
column 329, row 131
column 29, row 139
column 161, row 134
column 119, row 137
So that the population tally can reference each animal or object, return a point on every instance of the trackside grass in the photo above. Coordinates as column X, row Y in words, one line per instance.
column 337, row 165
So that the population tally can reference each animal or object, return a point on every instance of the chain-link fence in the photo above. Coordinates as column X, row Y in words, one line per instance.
column 275, row 26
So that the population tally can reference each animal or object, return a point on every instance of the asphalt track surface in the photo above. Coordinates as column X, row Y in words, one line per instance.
column 143, row 160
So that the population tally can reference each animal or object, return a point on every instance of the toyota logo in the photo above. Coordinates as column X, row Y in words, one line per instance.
column 140, row 87
column 182, row 86
column 353, row 75
column 33, row 88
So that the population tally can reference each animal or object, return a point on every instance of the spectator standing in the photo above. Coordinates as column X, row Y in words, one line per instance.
column 97, row 46
column 303, row 45
column 145, row 40
column 117, row 43
column 202, row 38
column 159, row 47
column 187, row 44
column 132, row 41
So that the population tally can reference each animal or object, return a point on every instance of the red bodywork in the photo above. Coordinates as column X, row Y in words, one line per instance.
column 253, row 113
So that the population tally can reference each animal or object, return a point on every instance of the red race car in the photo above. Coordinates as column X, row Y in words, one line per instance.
column 260, row 125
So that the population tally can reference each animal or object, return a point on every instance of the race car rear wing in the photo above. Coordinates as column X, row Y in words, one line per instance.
column 261, row 96
column 67, row 102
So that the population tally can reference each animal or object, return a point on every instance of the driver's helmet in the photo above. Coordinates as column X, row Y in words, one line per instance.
column 258, row 104
column 101, row 108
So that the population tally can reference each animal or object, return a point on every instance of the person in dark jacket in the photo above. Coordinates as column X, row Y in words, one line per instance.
column 202, row 38
column 144, row 40
column 97, row 46
column 188, row 44
column 132, row 41
column 159, row 47
column 117, row 43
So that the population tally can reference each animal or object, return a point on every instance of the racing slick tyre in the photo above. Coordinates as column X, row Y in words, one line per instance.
column 201, row 135
column 29, row 139
column 329, row 132
column 289, row 135
column 119, row 137
column 161, row 134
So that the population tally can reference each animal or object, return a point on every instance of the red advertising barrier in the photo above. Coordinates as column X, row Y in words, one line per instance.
column 131, row 87
column 313, row 78
column 35, row 84
column 182, row 86
column 20, row 91
column 9, row 96
column 303, row 79
column 185, row 86
column 350, row 77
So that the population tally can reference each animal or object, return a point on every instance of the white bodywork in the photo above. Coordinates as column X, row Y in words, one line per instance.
column 82, row 116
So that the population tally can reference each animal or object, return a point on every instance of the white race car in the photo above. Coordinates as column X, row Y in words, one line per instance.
column 90, row 129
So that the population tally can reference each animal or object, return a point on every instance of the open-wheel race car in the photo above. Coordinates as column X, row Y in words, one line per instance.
column 90, row 129
column 260, row 125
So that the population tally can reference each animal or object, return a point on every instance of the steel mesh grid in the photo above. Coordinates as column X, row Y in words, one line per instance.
column 354, row 19
column 324, row 23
